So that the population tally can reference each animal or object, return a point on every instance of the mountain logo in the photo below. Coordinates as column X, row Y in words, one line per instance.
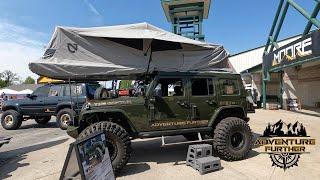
column 285, row 143
column 285, row 130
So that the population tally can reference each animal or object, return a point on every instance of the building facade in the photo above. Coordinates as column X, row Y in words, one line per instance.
column 289, row 88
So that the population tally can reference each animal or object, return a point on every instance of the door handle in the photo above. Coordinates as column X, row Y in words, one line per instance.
column 182, row 103
column 210, row 102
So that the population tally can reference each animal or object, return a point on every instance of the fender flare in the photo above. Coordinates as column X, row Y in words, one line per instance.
column 217, row 112
column 65, row 103
column 133, row 129
column 13, row 107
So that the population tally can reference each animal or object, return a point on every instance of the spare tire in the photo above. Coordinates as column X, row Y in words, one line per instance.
column 101, row 93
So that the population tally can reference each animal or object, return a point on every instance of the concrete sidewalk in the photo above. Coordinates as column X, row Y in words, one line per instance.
column 150, row 161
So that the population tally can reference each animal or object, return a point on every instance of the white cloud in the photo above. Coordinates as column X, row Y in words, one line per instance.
column 18, row 48
column 97, row 19
column 92, row 8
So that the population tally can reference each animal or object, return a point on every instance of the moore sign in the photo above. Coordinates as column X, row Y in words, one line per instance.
column 307, row 47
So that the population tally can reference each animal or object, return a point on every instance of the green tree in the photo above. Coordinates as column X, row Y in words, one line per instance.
column 29, row 80
column 9, row 78
column 125, row 84
column 2, row 83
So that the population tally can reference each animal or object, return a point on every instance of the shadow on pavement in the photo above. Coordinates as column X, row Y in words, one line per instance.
column 306, row 113
column 151, row 151
column 35, row 125
column 133, row 168
column 11, row 160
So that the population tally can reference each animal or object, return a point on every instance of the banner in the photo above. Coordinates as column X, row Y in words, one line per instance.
column 307, row 47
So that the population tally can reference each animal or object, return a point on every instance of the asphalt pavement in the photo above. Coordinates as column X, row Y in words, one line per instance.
column 38, row 152
column 30, row 137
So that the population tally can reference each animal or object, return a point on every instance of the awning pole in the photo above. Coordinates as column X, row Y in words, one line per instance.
column 71, row 98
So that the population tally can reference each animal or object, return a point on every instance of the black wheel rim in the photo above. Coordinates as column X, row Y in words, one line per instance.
column 237, row 140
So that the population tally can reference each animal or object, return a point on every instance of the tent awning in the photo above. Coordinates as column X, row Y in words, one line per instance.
column 124, row 50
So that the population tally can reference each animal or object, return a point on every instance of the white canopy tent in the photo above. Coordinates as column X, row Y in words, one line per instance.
column 13, row 92
column 124, row 50
column 8, row 91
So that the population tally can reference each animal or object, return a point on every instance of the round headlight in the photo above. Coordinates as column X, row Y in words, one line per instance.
column 86, row 106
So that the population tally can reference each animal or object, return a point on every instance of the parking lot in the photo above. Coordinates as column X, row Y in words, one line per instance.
column 38, row 152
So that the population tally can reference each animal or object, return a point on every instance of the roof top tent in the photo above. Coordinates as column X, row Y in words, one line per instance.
column 118, row 52
column 186, row 16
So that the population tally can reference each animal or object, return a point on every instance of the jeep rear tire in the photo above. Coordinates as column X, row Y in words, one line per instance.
column 11, row 120
column 43, row 120
column 118, row 142
column 64, row 117
column 232, row 139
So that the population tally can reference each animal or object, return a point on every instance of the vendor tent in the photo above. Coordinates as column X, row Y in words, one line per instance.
column 26, row 91
column 109, row 52
column 8, row 91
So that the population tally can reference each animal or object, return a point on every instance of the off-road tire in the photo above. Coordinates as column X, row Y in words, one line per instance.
column 101, row 93
column 117, row 136
column 61, row 113
column 16, row 120
column 225, row 131
column 43, row 120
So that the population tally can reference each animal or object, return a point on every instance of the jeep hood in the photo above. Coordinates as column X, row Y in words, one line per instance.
column 105, row 53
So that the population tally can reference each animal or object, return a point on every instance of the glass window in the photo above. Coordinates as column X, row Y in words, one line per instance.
column 55, row 90
column 75, row 90
column 202, row 86
column 91, row 89
column 41, row 91
column 229, row 87
column 210, row 86
column 169, row 87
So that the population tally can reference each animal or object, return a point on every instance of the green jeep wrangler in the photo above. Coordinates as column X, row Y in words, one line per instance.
column 201, row 106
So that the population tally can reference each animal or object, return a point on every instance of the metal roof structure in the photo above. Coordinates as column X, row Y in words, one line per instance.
column 247, row 59
column 186, row 16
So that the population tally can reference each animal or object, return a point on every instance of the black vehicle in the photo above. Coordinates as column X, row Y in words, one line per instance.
column 46, row 101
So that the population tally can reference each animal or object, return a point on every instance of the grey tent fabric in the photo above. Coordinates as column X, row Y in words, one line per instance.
column 124, row 50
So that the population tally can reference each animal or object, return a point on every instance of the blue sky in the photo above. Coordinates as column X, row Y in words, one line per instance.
column 26, row 26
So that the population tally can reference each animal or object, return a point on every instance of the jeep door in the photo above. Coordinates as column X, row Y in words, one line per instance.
column 203, row 99
column 171, row 105
column 35, row 104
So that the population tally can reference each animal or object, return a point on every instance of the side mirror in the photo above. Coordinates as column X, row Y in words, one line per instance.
column 31, row 96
